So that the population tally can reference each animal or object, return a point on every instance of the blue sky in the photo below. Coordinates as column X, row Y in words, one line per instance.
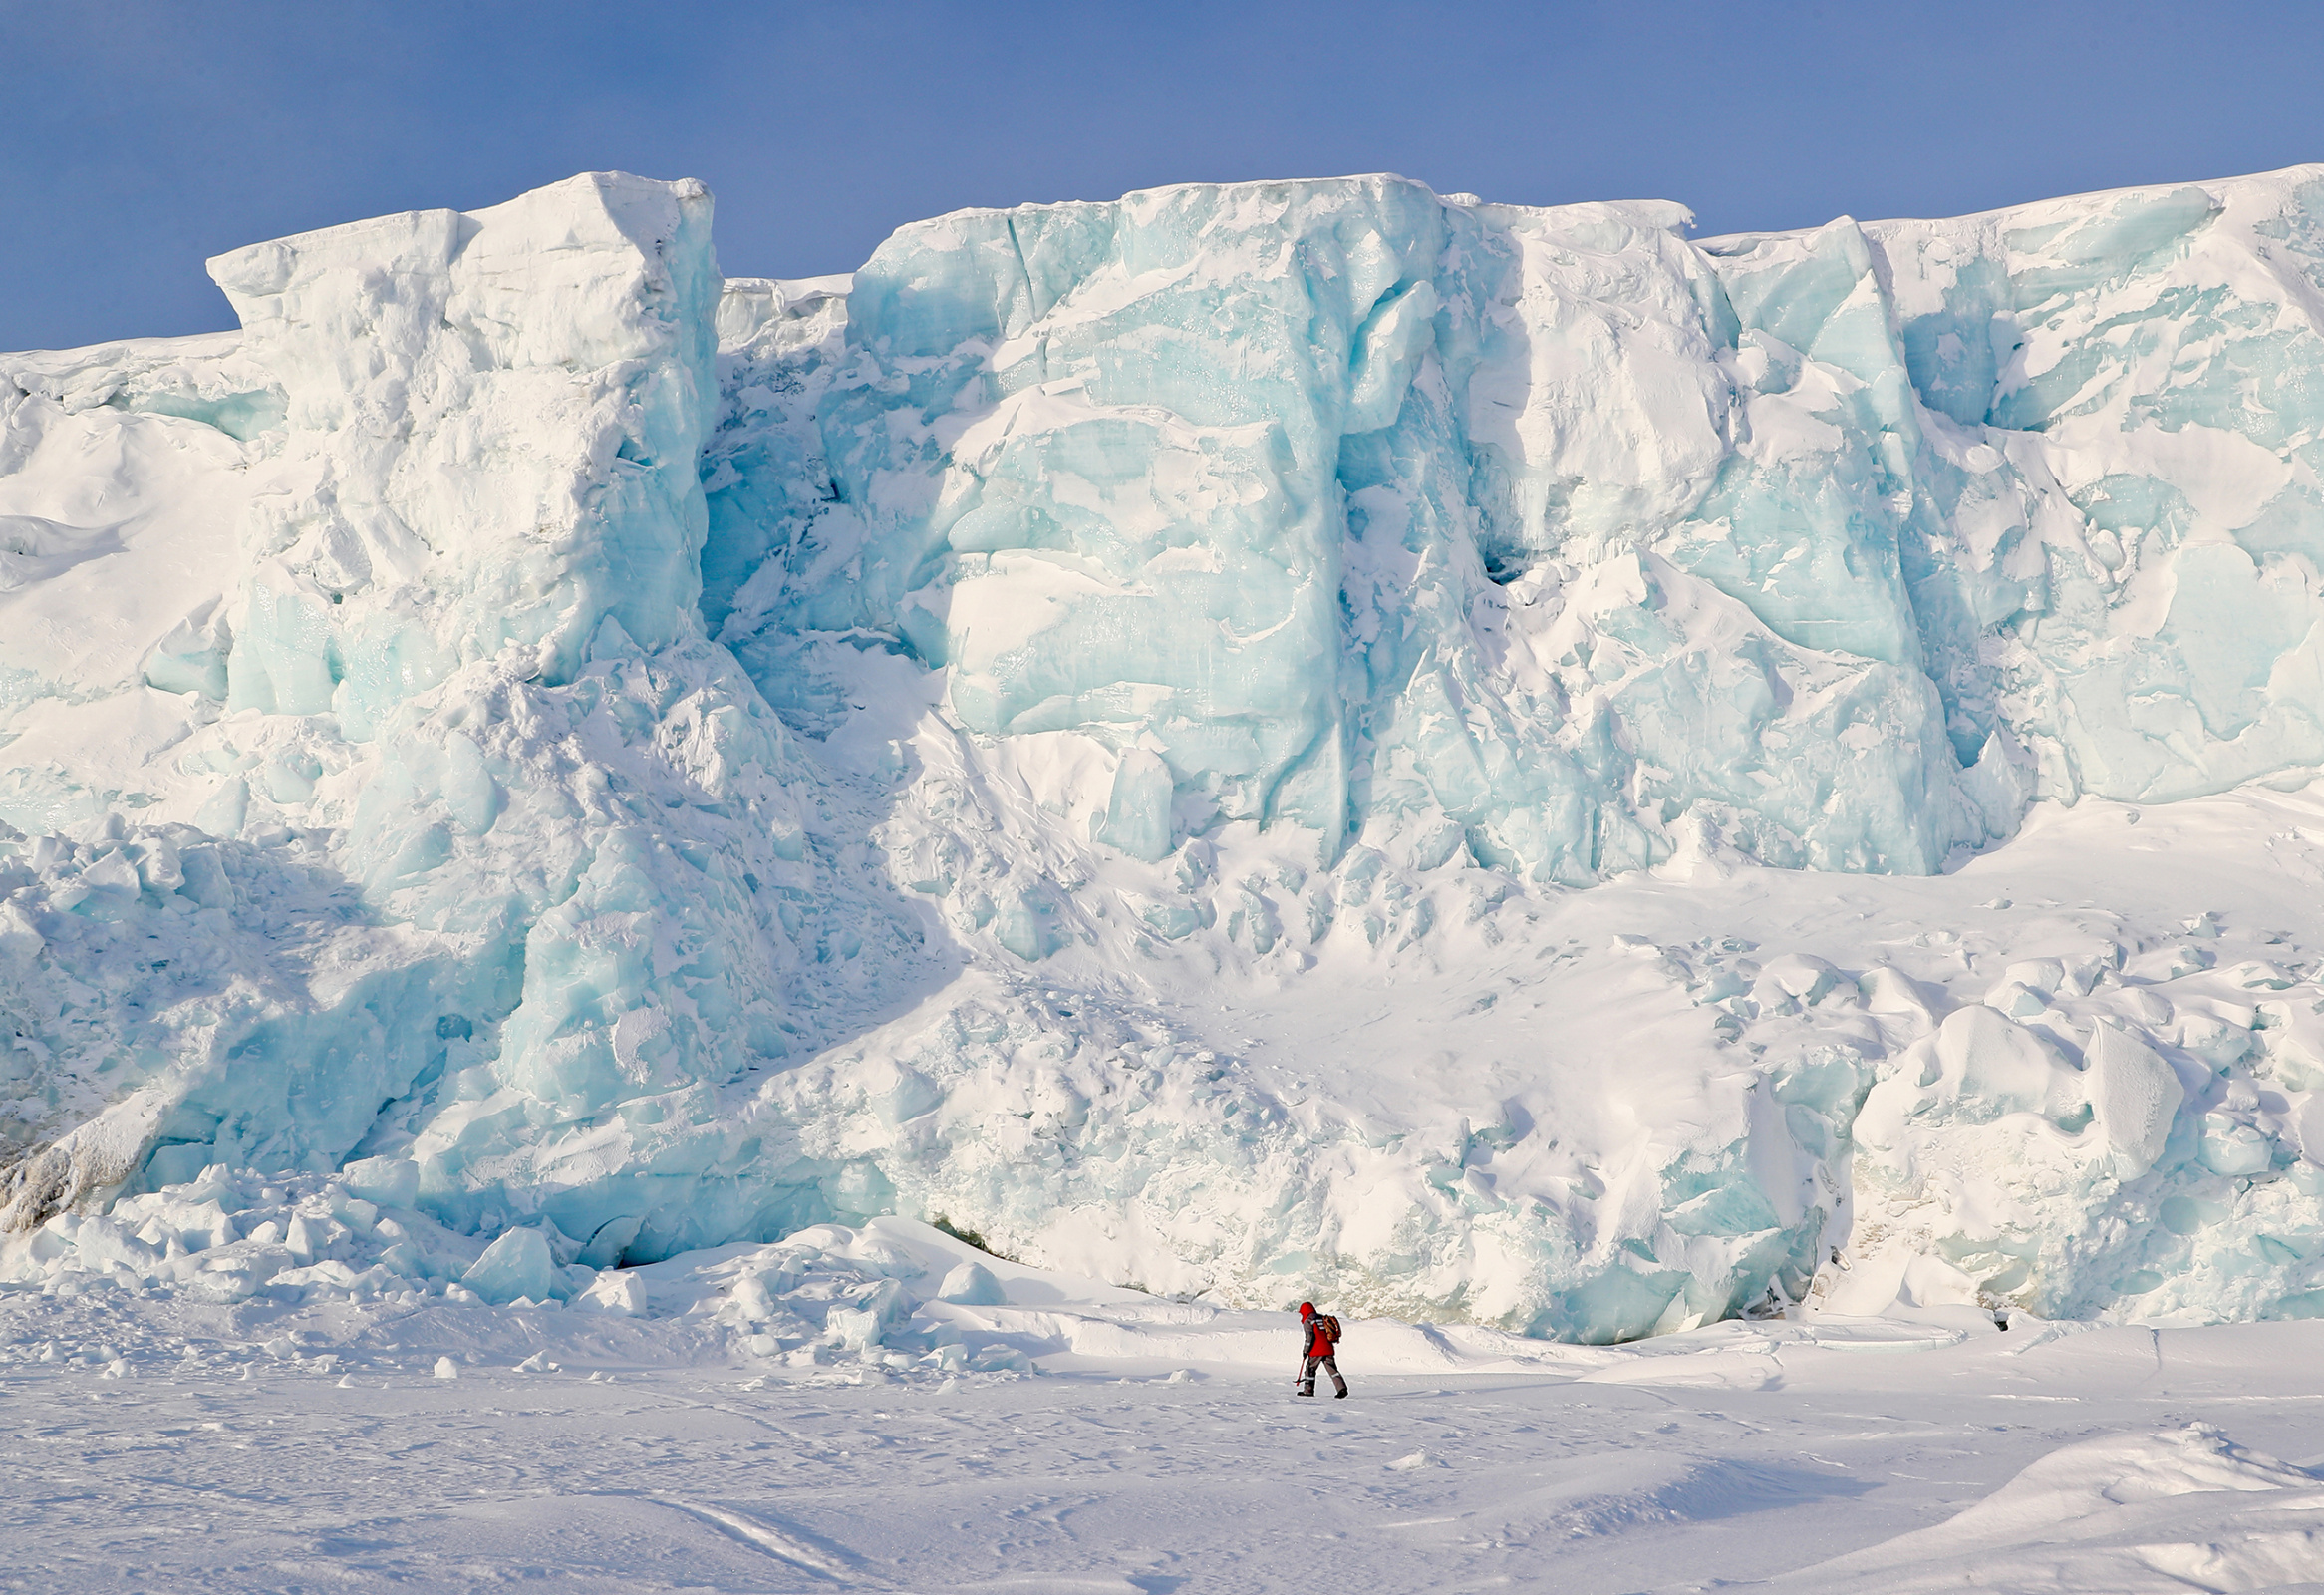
column 143, row 136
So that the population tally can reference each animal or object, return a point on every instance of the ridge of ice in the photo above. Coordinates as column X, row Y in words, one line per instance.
column 1094, row 724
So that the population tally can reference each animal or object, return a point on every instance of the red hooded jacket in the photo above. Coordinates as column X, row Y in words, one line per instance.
column 1313, row 1341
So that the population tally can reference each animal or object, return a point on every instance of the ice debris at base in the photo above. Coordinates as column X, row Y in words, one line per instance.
column 1097, row 725
column 893, row 1299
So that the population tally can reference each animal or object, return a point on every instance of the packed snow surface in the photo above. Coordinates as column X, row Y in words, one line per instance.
column 1500, row 767
column 883, row 1408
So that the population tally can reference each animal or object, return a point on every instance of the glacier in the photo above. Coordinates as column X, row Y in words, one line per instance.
column 1258, row 741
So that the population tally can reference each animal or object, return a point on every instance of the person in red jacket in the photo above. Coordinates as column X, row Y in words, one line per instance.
column 1319, row 1341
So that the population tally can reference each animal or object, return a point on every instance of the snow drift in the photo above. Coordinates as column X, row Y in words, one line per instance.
column 1107, row 729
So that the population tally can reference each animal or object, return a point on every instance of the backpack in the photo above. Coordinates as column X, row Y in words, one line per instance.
column 1330, row 1328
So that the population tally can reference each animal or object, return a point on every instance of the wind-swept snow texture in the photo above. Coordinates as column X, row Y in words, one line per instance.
column 1109, row 728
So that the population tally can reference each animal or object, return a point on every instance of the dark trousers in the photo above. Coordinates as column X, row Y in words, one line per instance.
column 1329, row 1364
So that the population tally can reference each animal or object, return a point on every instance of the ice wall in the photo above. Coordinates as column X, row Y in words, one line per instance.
column 1091, row 729
column 1781, row 536
column 1831, row 550
column 1348, row 504
column 467, row 843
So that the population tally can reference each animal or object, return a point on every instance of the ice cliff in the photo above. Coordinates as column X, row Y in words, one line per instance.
column 1107, row 727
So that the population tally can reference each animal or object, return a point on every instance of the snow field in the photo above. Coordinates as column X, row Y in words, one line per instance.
column 157, row 1441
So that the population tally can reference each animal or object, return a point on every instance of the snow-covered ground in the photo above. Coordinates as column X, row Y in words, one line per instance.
column 151, row 1443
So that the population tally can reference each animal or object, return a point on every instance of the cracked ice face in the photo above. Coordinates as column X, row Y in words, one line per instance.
column 988, row 737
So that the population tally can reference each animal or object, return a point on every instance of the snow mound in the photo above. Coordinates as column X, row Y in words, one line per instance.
column 1095, row 728
column 2121, row 1514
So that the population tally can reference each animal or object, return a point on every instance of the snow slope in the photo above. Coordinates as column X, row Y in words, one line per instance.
column 1276, row 740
